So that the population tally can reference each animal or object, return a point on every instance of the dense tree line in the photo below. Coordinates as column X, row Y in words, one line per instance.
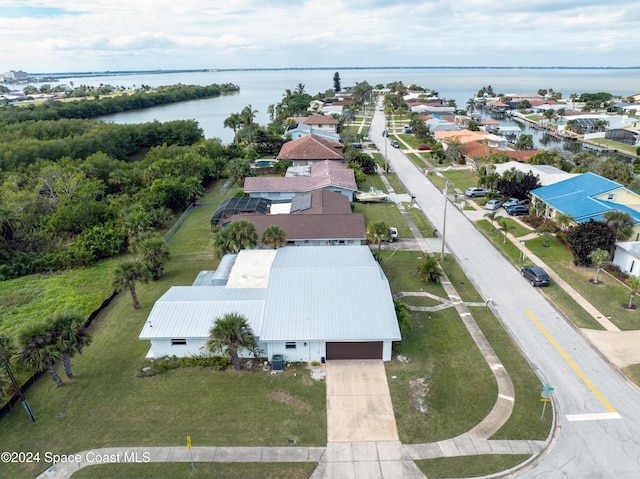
column 76, row 191
column 22, row 144
column 86, row 108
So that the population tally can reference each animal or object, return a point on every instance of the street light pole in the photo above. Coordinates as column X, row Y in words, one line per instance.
column 444, row 218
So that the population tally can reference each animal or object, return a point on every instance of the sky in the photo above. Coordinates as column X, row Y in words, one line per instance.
column 39, row 36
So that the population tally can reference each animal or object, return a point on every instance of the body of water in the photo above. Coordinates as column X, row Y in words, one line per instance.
column 261, row 88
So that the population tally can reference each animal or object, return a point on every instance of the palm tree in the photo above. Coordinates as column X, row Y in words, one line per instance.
column 233, row 332
column 634, row 284
column 471, row 104
column 223, row 243
column 271, row 111
column 377, row 233
column 505, row 228
column 429, row 269
column 493, row 216
column 233, row 121
column 621, row 223
column 127, row 274
column 38, row 350
column 154, row 253
column 564, row 220
column 545, row 230
column 71, row 337
column 247, row 115
column 244, row 234
column 599, row 257
column 300, row 89
column 274, row 236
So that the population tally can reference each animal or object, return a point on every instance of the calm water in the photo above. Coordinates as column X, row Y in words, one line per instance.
column 263, row 88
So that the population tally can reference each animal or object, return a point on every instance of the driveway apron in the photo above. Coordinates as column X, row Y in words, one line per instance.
column 359, row 406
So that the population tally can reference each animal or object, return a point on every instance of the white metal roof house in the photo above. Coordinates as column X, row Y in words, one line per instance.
column 304, row 303
column 627, row 257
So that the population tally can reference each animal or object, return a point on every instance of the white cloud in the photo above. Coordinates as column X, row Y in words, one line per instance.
column 140, row 34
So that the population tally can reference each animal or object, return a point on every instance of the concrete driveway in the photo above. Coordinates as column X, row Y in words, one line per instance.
column 358, row 402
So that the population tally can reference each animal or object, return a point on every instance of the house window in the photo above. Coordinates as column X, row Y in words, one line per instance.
column 178, row 342
column 290, row 345
column 611, row 196
column 633, row 263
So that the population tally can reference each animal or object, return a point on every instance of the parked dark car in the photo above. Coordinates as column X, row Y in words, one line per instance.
column 536, row 275
column 424, row 147
column 518, row 210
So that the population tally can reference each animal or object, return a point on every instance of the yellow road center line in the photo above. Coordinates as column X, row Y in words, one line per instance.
column 570, row 362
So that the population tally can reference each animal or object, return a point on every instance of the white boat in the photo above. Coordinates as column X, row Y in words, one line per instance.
column 372, row 196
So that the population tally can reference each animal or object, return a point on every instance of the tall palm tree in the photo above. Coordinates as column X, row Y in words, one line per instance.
column 70, row 337
column 300, row 89
column 274, row 236
column 492, row 216
column 233, row 333
column 271, row 111
column 127, row 274
column 471, row 104
column 247, row 115
column 634, row 284
column 377, row 233
column 598, row 257
column 233, row 121
column 505, row 228
column 38, row 350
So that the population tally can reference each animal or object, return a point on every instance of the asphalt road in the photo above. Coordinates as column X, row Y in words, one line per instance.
column 598, row 410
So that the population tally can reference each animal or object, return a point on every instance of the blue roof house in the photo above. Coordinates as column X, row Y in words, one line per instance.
column 585, row 197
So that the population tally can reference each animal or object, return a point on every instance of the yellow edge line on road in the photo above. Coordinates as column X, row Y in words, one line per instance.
column 569, row 361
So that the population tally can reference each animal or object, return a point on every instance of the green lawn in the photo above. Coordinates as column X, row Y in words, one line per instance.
column 468, row 466
column 463, row 179
column 395, row 183
column 206, row 470
column 607, row 297
column 387, row 212
column 419, row 160
column 108, row 405
column 39, row 296
column 419, row 219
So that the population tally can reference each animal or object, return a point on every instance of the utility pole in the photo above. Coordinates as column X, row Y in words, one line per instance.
column 444, row 218
column 7, row 367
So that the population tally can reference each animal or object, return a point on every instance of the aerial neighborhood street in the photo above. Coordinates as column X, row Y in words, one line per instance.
column 597, row 409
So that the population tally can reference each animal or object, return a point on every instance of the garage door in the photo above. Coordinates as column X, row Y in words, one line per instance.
column 367, row 350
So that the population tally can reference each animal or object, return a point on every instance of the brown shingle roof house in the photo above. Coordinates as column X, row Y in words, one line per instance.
column 319, row 218
column 309, row 149
column 329, row 175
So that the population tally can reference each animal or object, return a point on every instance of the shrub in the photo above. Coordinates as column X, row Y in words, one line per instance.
column 162, row 365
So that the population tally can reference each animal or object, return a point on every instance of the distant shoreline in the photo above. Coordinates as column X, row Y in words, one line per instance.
column 204, row 70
